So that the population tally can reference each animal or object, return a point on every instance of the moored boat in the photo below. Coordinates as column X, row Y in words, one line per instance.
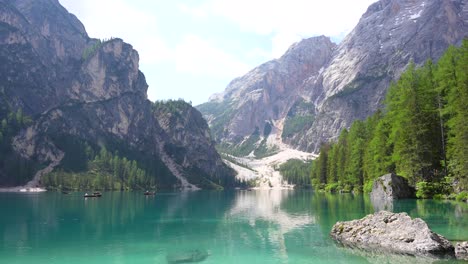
column 94, row 194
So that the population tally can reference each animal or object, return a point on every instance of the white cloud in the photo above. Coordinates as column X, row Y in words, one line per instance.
column 193, row 51
column 198, row 11
column 118, row 18
column 195, row 55
column 289, row 20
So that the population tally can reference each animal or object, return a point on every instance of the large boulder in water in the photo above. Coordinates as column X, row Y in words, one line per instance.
column 392, row 232
column 391, row 186
column 461, row 250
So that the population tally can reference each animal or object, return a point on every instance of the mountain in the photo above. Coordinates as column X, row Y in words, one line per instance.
column 317, row 88
column 65, row 95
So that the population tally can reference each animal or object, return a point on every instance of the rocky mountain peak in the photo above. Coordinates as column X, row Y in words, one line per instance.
column 112, row 64
column 264, row 95
column 316, row 89
column 77, row 92
column 386, row 39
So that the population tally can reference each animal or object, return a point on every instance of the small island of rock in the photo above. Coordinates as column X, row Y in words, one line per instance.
column 392, row 232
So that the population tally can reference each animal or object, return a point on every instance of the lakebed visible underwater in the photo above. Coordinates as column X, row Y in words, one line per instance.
column 218, row 227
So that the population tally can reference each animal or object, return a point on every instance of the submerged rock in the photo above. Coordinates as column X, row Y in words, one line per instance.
column 392, row 232
column 190, row 256
column 461, row 250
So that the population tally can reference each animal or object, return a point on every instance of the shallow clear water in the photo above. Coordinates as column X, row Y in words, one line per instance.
column 234, row 227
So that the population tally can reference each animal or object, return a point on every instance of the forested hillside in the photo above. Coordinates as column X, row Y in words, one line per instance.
column 422, row 134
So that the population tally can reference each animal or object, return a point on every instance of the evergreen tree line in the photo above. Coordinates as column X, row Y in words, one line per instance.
column 296, row 172
column 422, row 134
column 105, row 171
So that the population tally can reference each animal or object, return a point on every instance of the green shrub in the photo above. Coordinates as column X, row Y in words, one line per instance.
column 332, row 187
column 427, row 190
column 463, row 196
column 296, row 124
column 368, row 186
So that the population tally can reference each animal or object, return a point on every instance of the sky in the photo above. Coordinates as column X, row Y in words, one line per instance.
column 192, row 49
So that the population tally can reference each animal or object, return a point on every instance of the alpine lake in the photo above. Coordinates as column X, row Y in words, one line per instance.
column 272, row 226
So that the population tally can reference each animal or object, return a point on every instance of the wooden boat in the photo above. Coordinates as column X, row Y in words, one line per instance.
column 98, row 194
column 149, row 193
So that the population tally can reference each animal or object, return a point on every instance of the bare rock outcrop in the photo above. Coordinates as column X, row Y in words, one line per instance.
column 388, row 188
column 392, row 232
column 461, row 250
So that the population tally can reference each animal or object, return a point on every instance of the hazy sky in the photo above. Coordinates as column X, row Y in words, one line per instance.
column 193, row 48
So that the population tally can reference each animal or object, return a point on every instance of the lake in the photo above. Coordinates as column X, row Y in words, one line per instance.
column 232, row 227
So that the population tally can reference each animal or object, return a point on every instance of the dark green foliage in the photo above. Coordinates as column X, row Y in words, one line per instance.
column 245, row 184
column 106, row 171
column 378, row 154
column 76, row 157
column 222, row 112
column 412, row 110
column 234, row 160
column 296, row 124
column 297, row 172
column 430, row 189
column 300, row 117
column 171, row 106
column 358, row 83
column 452, row 81
column 91, row 50
column 267, row 129
column 463, row 196
column 263, row 150
column 251, row 144
column 319, row 173
column 14, row 169
column 248, row 145
column 426, row 117
column 244, row 148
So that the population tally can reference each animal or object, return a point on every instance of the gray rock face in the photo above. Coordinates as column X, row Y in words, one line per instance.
column 91, row 90
column 338, row 83
column 389, row 35
column 392, row 232
column 391, row 186
column 461, row 250
column 266, row 93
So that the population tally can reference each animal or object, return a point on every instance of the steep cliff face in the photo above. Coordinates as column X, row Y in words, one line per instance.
column 185, row 126
column 265, row 95
column 328, row 86
column 389, row 35
column 76, row 87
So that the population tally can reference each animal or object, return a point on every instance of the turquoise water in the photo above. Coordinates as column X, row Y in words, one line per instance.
column 234, row 227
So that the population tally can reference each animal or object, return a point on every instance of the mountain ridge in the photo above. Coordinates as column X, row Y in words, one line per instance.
column 80, row 93
column 354, row 79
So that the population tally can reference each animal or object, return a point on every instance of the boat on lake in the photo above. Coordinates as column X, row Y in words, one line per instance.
column 149, row 193
column 94, row 194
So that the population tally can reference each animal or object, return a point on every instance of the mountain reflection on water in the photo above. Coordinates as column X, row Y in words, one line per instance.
column 268, row 226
